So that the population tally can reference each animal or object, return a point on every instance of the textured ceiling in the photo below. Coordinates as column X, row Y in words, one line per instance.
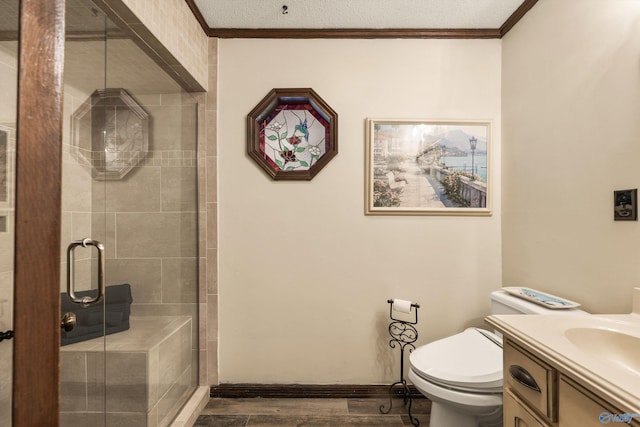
column 357, row 14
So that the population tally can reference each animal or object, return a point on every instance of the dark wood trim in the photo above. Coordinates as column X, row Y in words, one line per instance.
column 196, row 12
column 516, row 16
column 38, row 212
column 364, row 33
column 295, row 33
column 307, row 391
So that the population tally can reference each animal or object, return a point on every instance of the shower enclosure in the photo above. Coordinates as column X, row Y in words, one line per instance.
column 128, row 224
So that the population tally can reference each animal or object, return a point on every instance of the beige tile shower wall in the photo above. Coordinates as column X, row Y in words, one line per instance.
column 175, row 29
column 211, row 197
column 76, row 197
column 148, row 220
column 208, row 225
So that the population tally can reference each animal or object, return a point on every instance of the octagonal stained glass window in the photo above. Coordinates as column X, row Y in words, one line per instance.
column 292, row 134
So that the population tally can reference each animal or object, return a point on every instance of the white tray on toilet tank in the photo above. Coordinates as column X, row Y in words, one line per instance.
column 541, row 298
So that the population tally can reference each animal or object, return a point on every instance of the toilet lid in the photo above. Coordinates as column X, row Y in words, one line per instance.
column 467, row 361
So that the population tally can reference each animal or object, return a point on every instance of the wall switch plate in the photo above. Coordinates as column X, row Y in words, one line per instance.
column 625, row 205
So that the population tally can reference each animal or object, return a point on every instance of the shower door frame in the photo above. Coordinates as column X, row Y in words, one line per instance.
column 38, row 213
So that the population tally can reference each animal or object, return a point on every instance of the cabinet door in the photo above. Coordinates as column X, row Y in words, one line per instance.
column 580, row 408
column 517, row 414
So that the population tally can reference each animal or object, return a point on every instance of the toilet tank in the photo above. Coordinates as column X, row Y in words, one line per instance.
column 505, row 303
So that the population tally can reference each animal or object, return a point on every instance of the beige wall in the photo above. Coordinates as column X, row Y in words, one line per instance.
column 570, row 97
column 304, row 275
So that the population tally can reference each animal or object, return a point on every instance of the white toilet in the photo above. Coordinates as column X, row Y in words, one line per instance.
column 462, row 374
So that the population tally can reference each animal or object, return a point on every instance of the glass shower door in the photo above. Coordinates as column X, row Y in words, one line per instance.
column 8, row 111
column 83, row 375
column 129, row 183
column 146, row 219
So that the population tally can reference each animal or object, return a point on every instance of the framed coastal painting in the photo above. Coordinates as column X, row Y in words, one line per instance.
column 427, row 167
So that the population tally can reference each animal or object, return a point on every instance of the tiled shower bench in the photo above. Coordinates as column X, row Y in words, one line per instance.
column 147, row 370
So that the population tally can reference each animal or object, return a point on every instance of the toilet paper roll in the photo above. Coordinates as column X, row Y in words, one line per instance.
column 402, row 306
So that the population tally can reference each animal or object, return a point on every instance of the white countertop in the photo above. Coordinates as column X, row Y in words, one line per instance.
column 602, row 352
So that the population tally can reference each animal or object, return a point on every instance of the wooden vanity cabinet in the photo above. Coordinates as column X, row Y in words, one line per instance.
column 537, row 395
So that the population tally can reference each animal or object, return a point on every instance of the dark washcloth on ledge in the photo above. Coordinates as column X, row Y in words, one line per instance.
column 116, row 311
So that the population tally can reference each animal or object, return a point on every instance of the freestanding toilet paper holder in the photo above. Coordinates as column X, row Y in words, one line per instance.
column 403, row 334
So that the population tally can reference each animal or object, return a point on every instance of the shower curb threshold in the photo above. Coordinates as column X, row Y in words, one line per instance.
column 189, row 413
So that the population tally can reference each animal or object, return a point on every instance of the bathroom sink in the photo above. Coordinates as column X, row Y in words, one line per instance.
column 608, row 345
column 603, row 350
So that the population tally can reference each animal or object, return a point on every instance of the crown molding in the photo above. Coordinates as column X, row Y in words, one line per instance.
column 196, row 12
column 364, row 33
column 516, row 16
column 355, row 33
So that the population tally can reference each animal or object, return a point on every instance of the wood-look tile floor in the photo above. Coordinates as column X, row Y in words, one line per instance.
column 319, row 412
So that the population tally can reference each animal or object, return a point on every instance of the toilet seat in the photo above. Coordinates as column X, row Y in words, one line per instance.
column 469, row 361
column 471, row 401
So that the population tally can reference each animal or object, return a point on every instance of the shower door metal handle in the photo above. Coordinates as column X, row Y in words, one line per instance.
column 85, row 301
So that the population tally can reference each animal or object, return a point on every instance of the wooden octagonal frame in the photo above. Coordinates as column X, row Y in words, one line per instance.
column 292, row 134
